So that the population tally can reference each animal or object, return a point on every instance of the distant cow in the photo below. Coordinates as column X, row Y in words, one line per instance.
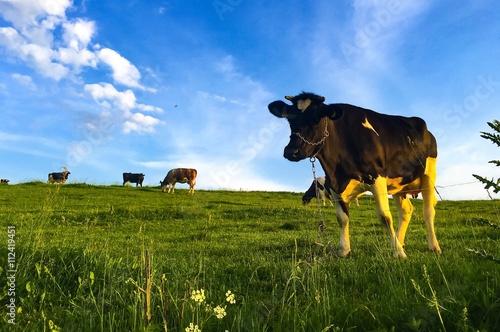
column 4, row 181
column 361, row 150
column 181, row 175
column 324, row 195
column 136, row 178
column 59, row 177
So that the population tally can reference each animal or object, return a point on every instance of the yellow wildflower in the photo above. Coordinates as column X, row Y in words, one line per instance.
column 220, row 312
column 230, row 297
column 198, row 296
column 192, row 328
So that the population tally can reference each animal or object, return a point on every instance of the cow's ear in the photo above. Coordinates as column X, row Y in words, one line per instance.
column 333, row 111
column 279, row 109
column 319, row 99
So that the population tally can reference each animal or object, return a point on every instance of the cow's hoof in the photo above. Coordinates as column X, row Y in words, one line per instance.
column 400, row 255
column 344, row 253
column 436, row 250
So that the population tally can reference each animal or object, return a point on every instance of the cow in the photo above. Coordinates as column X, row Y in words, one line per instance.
column 322, row 193
column 361, row 150
column 59, row 177
column 136, row 178
column 6, row 181
column 181, row 175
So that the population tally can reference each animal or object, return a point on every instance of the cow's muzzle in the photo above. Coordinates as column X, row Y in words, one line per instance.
column 292, row 154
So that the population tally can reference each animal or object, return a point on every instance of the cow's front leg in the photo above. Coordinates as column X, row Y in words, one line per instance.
column 379, row 190
column 405, row 211
column 343, row 220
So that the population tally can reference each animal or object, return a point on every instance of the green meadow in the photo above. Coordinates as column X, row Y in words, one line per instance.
column 236, row 261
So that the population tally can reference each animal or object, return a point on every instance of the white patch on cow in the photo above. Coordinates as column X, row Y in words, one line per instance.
column 368, row 125
column 303, row 104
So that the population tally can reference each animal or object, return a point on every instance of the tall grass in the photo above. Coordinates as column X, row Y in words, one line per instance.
column 81, row 263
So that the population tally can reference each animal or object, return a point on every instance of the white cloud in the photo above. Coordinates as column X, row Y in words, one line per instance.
column 41, row 58
column 149, row 108
column 77, row 58
column 32, row 37
column 78, row 34
column 140, row 123
column 123, row 71
column 28, row 13
column 24, row 80
column 37, row 56
column 107, row 96
column 57, row 47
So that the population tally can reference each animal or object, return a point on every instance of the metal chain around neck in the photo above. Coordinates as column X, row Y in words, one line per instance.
column 321, row 141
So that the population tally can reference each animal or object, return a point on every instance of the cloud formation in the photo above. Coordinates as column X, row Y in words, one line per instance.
column 108, row 97
column 59, row 48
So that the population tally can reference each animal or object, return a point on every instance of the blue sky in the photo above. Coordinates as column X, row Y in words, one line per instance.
column 106, row 87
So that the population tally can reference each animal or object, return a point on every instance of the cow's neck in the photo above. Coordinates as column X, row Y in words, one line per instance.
column 334, row 168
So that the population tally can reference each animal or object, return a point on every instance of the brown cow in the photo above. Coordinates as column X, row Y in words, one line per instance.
column 181, row 175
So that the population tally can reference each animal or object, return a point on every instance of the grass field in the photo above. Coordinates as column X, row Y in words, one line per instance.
column 80, row 259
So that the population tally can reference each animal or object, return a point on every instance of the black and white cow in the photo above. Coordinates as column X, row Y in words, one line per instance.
column 136, row 178
column 323, row 194
column 6, row 181
column 181, row 175
column 59, row 177
column 361, row 150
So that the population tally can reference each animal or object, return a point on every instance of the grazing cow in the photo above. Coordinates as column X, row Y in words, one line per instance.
column 59, row 177
column 6, row 181
column 324, row 195
column 361, row 150
column 181, row 175
column 136, row 178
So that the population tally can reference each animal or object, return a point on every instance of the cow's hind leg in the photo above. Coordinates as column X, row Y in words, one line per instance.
column 428, row 181
column 379, row 190
column 405, row 210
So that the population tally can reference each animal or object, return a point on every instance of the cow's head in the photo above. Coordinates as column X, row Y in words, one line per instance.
column 308, row 118
column 163, row 185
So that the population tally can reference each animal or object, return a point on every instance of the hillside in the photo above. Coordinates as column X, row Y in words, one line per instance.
column 80, row 261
